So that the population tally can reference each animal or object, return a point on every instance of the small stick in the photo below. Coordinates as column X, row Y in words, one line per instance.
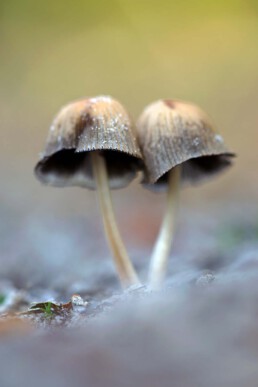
column 126, row 272
column 159, row 259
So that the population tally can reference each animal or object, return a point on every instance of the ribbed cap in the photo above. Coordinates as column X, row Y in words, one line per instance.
column 93, row 124
column 172, row 132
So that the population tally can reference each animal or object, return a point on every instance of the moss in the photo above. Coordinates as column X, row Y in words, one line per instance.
column 2, row 299
column 233, row 235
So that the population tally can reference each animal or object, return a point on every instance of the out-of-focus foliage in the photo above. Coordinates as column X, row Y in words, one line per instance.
column 138, row 51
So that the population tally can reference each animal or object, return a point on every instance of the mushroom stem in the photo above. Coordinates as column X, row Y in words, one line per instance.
column 126, row 272
column 159, row 259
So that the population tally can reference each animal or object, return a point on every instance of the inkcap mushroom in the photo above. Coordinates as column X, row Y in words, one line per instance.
column 178, row 144
column 92, row 144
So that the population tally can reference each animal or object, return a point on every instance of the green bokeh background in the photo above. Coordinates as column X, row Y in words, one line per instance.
column 137, row 51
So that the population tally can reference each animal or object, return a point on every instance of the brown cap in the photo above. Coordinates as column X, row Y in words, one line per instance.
column 93, row 124
column 172, row 132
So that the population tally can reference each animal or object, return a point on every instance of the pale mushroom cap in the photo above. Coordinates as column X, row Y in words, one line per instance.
column 172, row 132
column 93, row 124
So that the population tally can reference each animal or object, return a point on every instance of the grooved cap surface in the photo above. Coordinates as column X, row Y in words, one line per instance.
column 93, row 124
column 172, row 132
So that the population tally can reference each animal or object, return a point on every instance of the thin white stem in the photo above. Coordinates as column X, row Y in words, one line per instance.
column 126, row 272
column 159, row 259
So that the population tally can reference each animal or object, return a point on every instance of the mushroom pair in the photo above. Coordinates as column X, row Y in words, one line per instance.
column 92, row 143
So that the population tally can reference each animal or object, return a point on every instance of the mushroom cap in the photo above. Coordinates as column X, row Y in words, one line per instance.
column 92, row 124
column 172, row 132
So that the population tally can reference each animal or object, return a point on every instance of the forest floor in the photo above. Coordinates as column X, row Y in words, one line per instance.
column 200, row 329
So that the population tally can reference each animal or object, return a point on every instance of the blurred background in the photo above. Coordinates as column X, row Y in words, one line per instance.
column 53, row 52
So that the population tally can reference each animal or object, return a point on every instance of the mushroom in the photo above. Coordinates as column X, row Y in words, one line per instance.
column 92, row 144
column 179, row 144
